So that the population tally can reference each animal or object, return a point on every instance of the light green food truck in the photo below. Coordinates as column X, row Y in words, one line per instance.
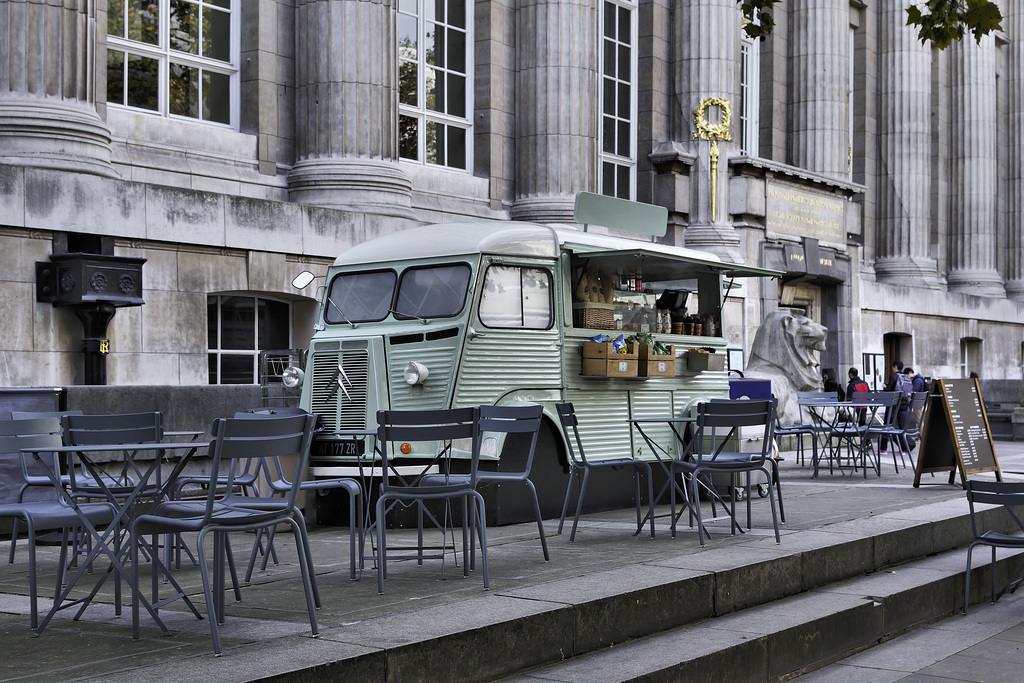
column 465, row 314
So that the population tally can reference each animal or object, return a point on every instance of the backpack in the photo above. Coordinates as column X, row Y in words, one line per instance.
column 862, row 388
column 905, row 386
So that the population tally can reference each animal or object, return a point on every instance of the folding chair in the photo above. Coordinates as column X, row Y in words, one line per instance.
column 1008, row 495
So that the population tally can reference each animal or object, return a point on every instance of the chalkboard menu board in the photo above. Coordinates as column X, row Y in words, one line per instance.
column 955, row 436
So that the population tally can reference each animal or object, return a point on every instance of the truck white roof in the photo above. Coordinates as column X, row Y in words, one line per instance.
column 502, row 237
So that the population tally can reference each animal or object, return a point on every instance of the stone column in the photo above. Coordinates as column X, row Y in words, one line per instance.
column 1013, row 23
column 346, row 117
column 819, row 120
column 557, row 76
column 973, row 181
column 708, row 40
column 48, row 112
column 904, row 150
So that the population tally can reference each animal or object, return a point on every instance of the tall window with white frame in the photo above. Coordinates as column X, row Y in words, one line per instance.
column 435, row 51
column 750, row 95
column 176, row 58
column 618, row 99
column 239, row 327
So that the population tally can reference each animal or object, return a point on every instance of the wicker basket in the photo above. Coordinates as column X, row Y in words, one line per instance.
column 593, row 316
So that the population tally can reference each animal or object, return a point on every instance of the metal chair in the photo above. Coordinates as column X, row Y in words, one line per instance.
column 718, row 424
column 886, row 430
column 512, row 421
column 857, row 433
column 434, row 431
column 31, row 476
column 224, row 511
column 805, row 400
column 44, row 515
column 118, row 428
column 580, row 466
column 1010, row 497
column 280, row 485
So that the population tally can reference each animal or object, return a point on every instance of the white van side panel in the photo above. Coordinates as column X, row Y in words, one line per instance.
column 500, row 361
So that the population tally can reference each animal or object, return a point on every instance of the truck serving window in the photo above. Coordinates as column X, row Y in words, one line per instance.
column 517, row 297
column 360, row 297
column 432, row 292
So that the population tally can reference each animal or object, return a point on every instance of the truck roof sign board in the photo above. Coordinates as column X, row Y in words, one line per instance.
column 620, row 214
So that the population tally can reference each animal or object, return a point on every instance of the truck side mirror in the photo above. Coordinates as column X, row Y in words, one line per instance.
column 302, row 280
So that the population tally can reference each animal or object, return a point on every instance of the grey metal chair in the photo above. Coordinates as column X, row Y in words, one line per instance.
column 856, row 435
column 521, row 421
column 118, row 428
column 224, row 511
column 45, row 515
column 580, row 467
column 886, row 430
column 1010, row 496
column 31, row 475
column 280, row 485
column 434, row 431
column 718, row 425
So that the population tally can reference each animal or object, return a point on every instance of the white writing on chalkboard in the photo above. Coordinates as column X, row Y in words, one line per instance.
column 956, row 435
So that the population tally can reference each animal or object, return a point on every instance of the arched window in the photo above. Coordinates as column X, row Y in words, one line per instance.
column 239, row 327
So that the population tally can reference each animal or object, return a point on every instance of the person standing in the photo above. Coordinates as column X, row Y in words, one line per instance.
column 856, row 384
column 830, row 382
column 895, row 383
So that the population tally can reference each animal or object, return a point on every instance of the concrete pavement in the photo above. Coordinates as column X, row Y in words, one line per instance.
column 609, row 588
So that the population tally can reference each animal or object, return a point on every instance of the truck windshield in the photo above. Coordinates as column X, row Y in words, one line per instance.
column 360, row 297
column 432, row 291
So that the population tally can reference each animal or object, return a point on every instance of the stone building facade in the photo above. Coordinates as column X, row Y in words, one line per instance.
column 233, row 143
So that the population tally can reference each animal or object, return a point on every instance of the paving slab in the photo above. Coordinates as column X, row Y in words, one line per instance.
column 606, row 588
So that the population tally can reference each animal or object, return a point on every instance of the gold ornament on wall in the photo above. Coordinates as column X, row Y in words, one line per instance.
column 713, row 132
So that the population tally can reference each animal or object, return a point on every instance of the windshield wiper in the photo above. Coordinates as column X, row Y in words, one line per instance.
column 341, row 312
column 408, row 315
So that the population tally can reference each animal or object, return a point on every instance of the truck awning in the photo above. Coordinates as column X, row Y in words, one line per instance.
column 665, row 263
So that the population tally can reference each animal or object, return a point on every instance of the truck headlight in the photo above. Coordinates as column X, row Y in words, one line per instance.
column 416, row 373
column 292, row 377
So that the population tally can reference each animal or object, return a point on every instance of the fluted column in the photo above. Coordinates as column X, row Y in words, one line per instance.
column 346, row 116
column 904, row 150
column 48, row 112
column 707, row 33
column 557, row 75
column 1013, row 24
column 819, row 101
column 973, row 182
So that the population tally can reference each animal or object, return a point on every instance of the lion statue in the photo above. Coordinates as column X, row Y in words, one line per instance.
column 785, row 351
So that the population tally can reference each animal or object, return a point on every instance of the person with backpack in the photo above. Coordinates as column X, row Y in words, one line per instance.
column 905, row 386
column 856, row 384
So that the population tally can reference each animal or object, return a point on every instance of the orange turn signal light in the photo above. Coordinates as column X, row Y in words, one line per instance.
column 406, row 448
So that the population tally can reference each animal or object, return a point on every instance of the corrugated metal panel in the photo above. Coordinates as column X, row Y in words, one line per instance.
column 654, row 404
column 439, row 357
column 499, row 361
column 603, row 427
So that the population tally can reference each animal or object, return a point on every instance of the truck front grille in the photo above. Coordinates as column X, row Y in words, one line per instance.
column 344, row 406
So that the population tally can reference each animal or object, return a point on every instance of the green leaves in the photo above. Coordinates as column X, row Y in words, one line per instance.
column 938, row 21
column 947, row 20
column 757, row 17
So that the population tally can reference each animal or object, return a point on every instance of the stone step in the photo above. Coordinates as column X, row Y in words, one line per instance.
column 793, row 635
column 758, row 608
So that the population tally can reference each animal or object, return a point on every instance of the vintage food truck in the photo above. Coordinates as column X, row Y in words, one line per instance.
column 464, row 314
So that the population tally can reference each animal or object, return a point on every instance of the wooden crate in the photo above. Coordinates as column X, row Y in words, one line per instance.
column 593, row 316
column 600, row 360
column 698, row 362
column 615, row 366
column 650, row 364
